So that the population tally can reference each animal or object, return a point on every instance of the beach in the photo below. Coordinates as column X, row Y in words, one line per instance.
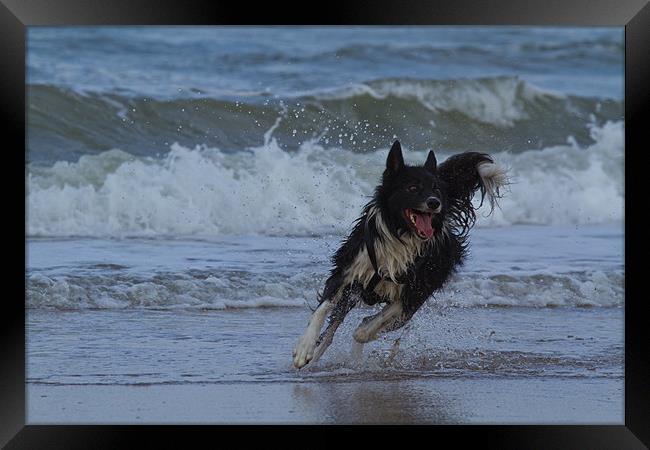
column 527, row 347
column 209, row 370
column 407, row 401
column 187, row 187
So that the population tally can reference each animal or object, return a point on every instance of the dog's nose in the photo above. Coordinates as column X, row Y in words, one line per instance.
column 433, row 203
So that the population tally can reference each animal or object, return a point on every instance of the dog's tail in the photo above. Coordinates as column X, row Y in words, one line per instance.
column 466, row 174
column 494, row 178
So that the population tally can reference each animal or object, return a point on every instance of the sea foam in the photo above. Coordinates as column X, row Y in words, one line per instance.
column 203, row 191
column 231, row 290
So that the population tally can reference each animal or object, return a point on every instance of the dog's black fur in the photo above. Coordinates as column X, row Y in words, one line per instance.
column 453, row 184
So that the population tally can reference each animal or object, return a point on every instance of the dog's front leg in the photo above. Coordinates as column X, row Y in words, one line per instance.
column 304, row 351
column 371, row 326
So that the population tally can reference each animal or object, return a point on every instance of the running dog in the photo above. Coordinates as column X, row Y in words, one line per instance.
column 411, row 237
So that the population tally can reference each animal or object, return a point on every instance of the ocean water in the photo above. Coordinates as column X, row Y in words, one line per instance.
column 186, row 187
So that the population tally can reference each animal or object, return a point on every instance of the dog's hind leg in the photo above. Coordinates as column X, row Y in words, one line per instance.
column 395, row 347
column 342, row 308
column 332, row 295
column 393, row 350
column 304, row 351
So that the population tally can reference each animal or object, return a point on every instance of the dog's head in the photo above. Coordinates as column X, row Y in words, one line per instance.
column 413, row 196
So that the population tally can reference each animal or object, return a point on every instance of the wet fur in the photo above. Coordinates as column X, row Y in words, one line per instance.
column 412, row 269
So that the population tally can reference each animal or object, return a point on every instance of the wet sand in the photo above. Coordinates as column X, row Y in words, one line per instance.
column 405, row 401
column 457, row 365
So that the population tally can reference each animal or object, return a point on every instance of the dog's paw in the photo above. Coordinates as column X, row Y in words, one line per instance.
column 362, row 335
column 304, row 351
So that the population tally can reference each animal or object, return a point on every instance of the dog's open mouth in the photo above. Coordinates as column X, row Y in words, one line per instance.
column 420, row 222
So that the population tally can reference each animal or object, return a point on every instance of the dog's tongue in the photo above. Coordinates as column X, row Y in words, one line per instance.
column 423, row 224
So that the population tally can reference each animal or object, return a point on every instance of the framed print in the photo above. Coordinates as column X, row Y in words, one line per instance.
column 413, row 215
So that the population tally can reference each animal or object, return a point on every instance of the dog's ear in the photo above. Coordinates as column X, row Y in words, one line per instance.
column 395, row 160
column 431, row 163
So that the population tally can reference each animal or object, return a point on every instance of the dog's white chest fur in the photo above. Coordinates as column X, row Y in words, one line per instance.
column 393, row 259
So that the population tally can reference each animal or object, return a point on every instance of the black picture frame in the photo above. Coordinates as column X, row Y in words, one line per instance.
column 634, row 15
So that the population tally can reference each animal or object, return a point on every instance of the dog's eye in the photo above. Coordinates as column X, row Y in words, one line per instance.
column 413, row 188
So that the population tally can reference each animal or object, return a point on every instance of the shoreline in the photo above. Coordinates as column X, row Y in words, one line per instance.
column 478, row 366
column 419, row 401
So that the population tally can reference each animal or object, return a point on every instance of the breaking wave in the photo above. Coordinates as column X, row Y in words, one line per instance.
column 314, row 190
column 238, row 289
column 485, row 114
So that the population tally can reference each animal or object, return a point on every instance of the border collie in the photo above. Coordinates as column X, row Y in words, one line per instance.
column 410, row 238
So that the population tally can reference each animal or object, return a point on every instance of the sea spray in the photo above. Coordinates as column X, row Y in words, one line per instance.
column 316, row 190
